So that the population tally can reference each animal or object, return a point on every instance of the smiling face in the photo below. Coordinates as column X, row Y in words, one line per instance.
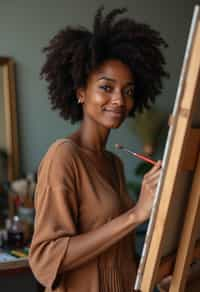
column 109, row 94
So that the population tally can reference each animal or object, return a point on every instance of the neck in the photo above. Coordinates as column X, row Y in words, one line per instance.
column 93, row 136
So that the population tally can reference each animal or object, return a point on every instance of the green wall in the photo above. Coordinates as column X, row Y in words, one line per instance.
column 27, row 26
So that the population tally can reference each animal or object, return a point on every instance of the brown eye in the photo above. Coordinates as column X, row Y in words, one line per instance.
column 129, row 91
column 106, row 88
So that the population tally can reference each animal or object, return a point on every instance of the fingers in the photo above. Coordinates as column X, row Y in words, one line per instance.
column 153, row 184
column 153, row 176
column 157, row 165
column 148, row 189
column 155, row 169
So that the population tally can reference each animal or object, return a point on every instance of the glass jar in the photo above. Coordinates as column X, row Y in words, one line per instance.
column 15, row 234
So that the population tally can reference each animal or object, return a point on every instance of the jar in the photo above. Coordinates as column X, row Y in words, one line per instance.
column 15, row 234
column 26, row 216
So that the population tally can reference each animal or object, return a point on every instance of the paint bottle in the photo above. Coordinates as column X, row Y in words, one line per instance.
column 15, row 234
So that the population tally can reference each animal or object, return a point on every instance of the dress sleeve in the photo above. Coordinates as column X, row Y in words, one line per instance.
column 56, row 212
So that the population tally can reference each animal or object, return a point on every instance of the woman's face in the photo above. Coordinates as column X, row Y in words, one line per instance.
column 109, row 94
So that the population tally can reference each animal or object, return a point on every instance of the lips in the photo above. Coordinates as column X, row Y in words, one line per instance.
column 115, row 112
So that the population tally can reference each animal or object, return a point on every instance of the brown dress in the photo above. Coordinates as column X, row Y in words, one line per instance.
column 73, row 198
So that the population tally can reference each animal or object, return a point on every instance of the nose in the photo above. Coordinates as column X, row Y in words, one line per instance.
column 118, row 98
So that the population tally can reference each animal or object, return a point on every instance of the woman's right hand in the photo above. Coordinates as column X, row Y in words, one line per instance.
column 144, row 204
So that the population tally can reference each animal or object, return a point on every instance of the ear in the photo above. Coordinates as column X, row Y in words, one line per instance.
column 80, row 93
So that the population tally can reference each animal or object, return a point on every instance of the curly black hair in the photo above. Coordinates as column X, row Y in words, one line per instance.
column 74, row 53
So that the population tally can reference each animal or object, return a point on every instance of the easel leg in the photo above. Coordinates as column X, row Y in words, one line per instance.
column 188, row 236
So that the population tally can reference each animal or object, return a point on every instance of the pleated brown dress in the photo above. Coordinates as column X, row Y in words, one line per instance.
column 73, row 198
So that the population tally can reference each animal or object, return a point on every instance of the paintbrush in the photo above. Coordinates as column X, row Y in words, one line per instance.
column 140, row 156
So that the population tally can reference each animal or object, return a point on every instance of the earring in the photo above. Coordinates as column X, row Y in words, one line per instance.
column 79, row 100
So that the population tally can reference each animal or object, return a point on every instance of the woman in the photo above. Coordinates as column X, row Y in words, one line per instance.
column 83, row 238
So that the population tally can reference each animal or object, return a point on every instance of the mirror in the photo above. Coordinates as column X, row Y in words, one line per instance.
column 9, row 152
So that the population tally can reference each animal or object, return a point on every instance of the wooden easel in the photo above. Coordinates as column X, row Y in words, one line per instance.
column 183, row 154
column 178, row 265
column 185, row 254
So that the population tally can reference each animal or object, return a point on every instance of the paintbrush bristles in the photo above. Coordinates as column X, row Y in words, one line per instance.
column 119, row 146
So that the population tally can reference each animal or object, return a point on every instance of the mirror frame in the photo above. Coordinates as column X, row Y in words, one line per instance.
column 9, row 94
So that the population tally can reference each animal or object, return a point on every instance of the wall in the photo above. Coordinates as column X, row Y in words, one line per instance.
column 27, row 26
column 2, row 113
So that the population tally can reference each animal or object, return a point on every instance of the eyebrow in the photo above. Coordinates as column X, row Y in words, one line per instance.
column 113, row 80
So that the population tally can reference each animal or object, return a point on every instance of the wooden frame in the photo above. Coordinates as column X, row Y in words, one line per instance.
column 188, row 237
column 9, row 94
column 174, row 162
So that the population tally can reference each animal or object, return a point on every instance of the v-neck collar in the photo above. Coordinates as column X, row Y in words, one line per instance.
column 100, row 175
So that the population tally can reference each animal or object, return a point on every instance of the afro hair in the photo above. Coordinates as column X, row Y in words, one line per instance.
column 73, row 53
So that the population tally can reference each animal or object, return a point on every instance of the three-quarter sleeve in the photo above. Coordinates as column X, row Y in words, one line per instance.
column 56, row 206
